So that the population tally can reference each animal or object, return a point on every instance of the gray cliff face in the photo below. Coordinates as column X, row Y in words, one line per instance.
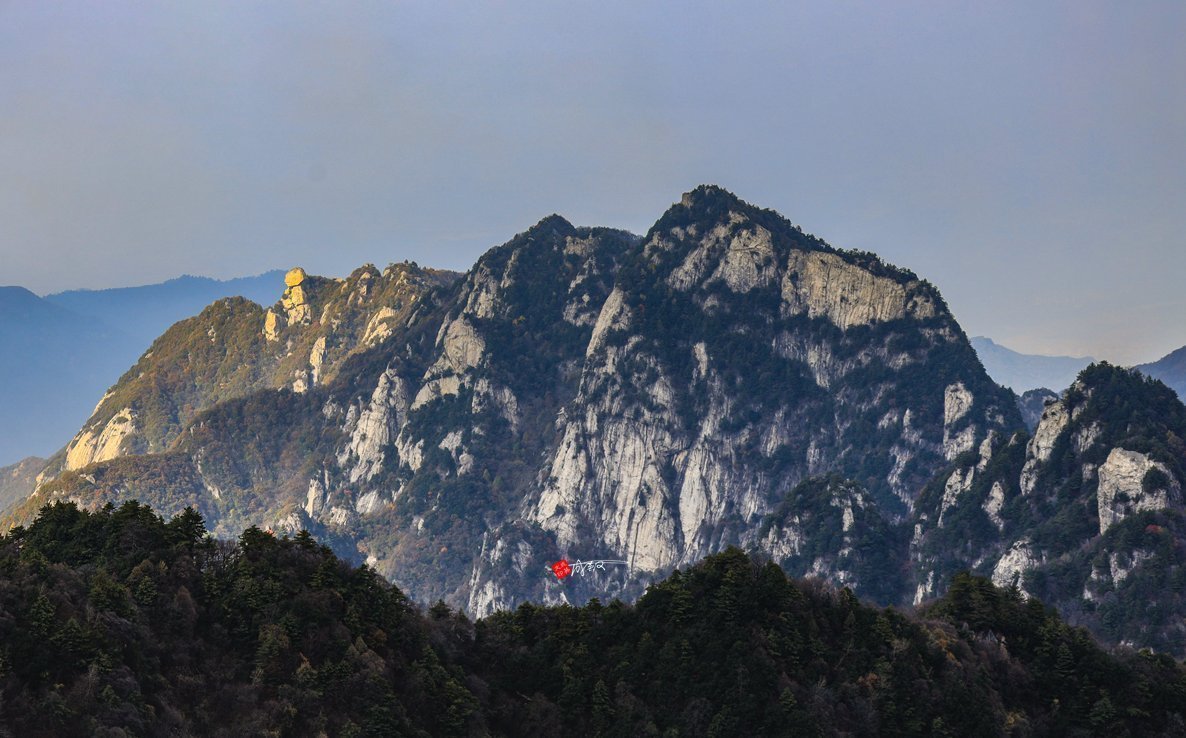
column 1031, row 403
column 583, row 393
column 789, row 361
column 588, row 394
column 1123, row 489
column 1079, row 514
column 449, row 433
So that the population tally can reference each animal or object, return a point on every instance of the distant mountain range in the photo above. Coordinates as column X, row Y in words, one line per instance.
column 1021, row 372
column 1024, row 372
column 1170, row 369
column 63, row 350
column 145, row 312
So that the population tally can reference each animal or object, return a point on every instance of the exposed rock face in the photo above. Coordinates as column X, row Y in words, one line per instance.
column 589, row 394
column 1031, row 404
column 372, row 430
column 461, row 351
column 741, row 259
column 316, row 359
column 381, row 325
column 223, row 353
column 826, row 285
column 273, row 324
column 1054, row 420
column 1120, row 565
column 1121, row 485
column 586, row 393
column 958, row 483
column 1011, row 568
column 800, row 534
column 295, row 301
column 94, row 445
column 957, row 402
column 994, row 503
column 1075, row 500
column 631, row 476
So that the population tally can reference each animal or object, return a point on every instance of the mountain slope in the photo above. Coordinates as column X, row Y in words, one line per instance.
column 736, row 357
column 144, row 312
column 55, row 364
column 587, row 393
column 235, row 347
column 63, row 350
column 1170, row 369
column 18, row 480
column 1023, row 372
column 1087, row 514
column 116, row 621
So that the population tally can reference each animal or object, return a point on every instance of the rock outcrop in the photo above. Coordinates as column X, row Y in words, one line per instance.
column 1124, row 488
column 235, row 348
column 1055, row 418
column 827, row 285
column 1090, row 505
column 1012, row 566
column 295, row 301
column 100, row 444
column 672, row 447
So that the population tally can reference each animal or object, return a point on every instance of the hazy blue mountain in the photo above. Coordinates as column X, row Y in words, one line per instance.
column 63, row 350
column 1170, row 369
column 1022, row 372
column 16, row 481
column 56, row 363
column 146, row 311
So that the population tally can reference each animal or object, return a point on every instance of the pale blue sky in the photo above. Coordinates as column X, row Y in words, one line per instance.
column 1028, row 158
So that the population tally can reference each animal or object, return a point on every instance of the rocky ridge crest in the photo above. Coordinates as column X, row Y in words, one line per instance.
column 585, row 393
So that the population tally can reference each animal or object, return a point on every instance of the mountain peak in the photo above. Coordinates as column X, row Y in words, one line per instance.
column 707, row 206
column 553, row 223
column 709, row 193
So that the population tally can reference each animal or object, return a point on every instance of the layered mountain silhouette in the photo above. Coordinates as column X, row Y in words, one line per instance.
column 63, row 350
column 1170, row 369
column 1024, row 372
column 585, row 393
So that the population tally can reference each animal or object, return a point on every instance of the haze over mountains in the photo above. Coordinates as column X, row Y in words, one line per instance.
column 725, row 379
column 63, row 350
column 1170, row 369
column 1024, row 372
column 1021, row 372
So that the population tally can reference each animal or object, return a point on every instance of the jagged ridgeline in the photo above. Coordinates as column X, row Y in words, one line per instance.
column 1087, row 514
column 580, row 392
column 235, row 347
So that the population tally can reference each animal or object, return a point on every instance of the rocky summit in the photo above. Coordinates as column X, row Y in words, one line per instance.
column 590, row 394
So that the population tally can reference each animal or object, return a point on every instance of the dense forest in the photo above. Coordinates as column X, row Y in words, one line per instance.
column 119, row 623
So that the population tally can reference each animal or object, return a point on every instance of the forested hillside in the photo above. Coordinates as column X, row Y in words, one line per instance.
column 116, row 622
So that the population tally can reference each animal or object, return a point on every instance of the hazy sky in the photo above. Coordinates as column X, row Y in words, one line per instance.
column 1028, row 158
